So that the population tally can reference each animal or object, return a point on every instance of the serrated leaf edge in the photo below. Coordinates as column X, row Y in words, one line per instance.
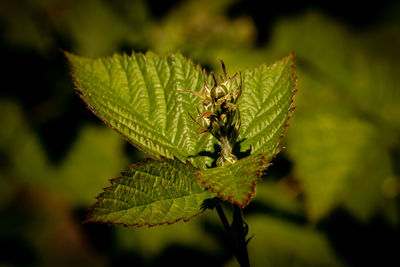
column 279, row 148
column 294, row 91
column 89, row 218
column 158, row 157
column 262, row 161
column 81, row 94
column 292, row 108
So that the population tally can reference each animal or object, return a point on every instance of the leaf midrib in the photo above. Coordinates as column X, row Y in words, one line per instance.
column 272, row 91
column 159, row 200
column 282, row 98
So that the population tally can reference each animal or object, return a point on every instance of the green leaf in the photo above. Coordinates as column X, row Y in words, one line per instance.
column 348, row 115
column 151, row 193
column 95, row 156
column 234, row 183
column 326, row 151
column 279, row 196
column 362, row 67
column 136, row 95
column 151, row 242
column 265, row 106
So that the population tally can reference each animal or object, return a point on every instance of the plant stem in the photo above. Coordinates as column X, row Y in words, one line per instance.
column 239, row 237
column 224, row 220
column 235, row 231
column 236, row 234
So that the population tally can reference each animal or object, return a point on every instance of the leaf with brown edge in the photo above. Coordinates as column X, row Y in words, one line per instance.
column 236, row 182
column 152, row 193
column 142, row 97
column 139, row 96
column 266, row 105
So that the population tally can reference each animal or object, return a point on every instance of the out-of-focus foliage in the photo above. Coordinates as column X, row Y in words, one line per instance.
column 280, row 243
column 279, row 196
column 348, row 117
column 94, row 157
column 343, row 142
column 151, row 242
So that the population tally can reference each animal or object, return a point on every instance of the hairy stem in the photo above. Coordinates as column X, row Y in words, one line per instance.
column 226, row 152
column 226, row 147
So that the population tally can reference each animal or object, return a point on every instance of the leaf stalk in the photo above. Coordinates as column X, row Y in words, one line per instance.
column 236, row 234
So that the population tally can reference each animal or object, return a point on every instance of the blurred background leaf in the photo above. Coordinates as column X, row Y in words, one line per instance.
column 280, row 243
column 346, row 122
column 331, row 198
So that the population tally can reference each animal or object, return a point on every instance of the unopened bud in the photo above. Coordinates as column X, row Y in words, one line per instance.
column 221, row 116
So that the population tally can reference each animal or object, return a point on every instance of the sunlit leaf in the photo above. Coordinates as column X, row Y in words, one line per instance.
column 151, row 193
column 265, row 106
column 137, row 96
column 236, row 182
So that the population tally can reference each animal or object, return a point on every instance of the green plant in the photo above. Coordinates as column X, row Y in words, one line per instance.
column 150, row 100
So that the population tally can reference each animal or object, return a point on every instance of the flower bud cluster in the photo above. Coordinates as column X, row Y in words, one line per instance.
column 221, row 115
